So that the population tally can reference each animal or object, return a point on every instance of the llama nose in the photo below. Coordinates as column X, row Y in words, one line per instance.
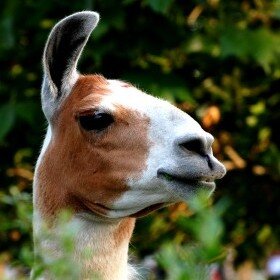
column 196, row 145
column 200, row 146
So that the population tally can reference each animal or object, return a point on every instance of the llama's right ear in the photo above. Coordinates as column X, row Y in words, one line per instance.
column 62, row 51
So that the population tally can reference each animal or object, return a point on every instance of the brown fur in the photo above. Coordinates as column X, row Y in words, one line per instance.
column 124, row 231
column 87, row 171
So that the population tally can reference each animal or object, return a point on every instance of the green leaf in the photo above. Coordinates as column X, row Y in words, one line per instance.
column 261, row 45
column 235, row 42
column 265, row 48
column 28, row 111
column 7, row 38
column 167, row 86
column 7, row 117
column 159, row 6
column 7, row 31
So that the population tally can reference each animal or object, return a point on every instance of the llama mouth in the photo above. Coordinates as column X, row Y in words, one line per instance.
column 103, row 211
column 148, row 210
column 177, row 179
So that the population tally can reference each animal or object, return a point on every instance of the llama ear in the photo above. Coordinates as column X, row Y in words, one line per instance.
column 62, row 51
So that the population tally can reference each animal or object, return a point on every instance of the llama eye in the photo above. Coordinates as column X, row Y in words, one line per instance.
column 96, row 121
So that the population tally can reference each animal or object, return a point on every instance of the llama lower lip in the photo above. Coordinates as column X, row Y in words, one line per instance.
column 147, row 210
column 175, row 179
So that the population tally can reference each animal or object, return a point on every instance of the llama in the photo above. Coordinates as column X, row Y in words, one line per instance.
column 112, row 153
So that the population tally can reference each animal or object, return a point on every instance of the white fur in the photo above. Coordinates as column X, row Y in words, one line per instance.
column 103, row 252
column 45, row 144
column 37, row 221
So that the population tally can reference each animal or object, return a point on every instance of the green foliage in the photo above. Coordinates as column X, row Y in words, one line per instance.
column 159, row 6
column 7, row 115
column 193, row 261
column 15, row 232
column 259, row 45
column 217, row 60
column 63, row 265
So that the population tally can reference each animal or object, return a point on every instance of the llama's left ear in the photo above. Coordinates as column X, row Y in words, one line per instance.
column 62, row 51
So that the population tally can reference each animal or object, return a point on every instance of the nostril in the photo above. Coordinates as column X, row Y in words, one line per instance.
column 195, row 145
column 209, row 162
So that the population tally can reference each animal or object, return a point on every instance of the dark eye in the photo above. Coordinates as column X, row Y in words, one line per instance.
column 96, row 121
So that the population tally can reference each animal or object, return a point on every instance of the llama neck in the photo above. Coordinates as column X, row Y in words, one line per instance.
column 101, row 247
column 105, row 241
column 108, row 246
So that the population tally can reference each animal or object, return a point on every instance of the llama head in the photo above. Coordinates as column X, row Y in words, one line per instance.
column 113, row 150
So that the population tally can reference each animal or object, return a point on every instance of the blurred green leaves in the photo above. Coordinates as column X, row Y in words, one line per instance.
column 7, row 34
column 261, row 45
column 159, row 6
column 7, row 117
column 192, row 261
column 25, row 111
column 167, row 86
column 62, row 265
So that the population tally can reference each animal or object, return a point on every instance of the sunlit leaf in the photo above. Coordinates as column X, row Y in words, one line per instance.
column 258, row 108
